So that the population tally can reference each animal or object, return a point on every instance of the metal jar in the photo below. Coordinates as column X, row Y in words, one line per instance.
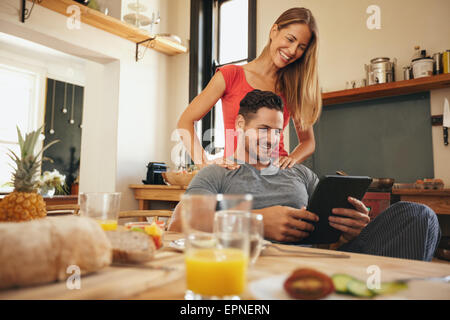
column 437, row 57
column 446, row 61
column 380, row 70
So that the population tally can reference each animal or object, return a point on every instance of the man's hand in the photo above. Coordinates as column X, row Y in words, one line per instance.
column 287, row 224
column 353, row 221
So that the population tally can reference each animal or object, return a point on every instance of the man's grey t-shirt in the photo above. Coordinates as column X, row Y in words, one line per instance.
column 270, row 187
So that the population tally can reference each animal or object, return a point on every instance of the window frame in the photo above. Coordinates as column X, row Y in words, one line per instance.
column 204, row 46
column 36, row 107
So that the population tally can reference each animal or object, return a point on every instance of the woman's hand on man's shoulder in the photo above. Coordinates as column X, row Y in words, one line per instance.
column 222, row 162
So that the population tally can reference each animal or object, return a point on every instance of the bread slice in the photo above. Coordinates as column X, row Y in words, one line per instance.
column 131, row 246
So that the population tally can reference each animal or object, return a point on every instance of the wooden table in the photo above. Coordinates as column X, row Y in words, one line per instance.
column 147, row 194
column 138, row 283
column 438, row 200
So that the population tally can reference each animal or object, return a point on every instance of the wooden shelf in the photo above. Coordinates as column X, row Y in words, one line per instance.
column 112, row 25
column 387, row 89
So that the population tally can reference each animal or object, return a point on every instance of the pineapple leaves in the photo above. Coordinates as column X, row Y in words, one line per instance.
column 19, row 134
column 24, row 175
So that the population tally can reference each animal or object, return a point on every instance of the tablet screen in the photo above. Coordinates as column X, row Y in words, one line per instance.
column 333, row 192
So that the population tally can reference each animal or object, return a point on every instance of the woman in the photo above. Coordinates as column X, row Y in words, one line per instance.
column 286, row 66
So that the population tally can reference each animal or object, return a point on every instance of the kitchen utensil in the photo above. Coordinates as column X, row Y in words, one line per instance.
column 404, row 186
column 380, row 70
column 445, row 279
column 305, row 253
column 446, row 61
column 422, row 67
column 137, row 20
column 437, row 57
column 407, row 73
column 446, row 121
column 382, row 183
column 136, row 6
column 179, row 245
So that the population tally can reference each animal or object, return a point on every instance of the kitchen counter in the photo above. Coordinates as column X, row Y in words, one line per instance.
column 438, row 200
column 56, row 200
column 146, row 283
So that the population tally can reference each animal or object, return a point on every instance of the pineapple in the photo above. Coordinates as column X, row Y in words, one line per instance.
column 24, row 203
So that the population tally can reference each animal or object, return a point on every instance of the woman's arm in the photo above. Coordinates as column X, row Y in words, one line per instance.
column 303, row 150
column 195, row 111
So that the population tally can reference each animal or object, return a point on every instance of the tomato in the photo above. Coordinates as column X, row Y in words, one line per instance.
column 308, row 284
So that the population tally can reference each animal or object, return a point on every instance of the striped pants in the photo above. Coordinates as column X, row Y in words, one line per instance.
column 405, row 230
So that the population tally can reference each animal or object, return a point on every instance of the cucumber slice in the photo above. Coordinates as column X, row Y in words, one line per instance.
column 340, row 282
column 390, row 287
column 359, row 289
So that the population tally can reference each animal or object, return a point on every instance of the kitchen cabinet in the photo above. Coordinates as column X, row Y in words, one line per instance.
column 438, row 200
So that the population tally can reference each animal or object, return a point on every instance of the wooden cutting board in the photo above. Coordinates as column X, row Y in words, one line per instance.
column 109, row 283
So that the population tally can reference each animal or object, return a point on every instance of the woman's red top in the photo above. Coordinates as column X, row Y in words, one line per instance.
column 236, row 87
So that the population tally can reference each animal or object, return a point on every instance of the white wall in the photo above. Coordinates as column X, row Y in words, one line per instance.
column 346, row 44
column 178, row 69
column 125, row 107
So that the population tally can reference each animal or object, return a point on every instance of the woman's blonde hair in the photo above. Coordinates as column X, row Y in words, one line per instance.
column 299, row 80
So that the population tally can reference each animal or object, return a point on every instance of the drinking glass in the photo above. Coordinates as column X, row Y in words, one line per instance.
column 256, row 236
column 216, row 245
column 104, row 207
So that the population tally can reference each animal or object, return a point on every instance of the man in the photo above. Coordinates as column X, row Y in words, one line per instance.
column 405, row 230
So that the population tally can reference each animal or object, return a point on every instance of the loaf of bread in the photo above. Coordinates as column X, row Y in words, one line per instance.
column 40, row 251
column 131, row 246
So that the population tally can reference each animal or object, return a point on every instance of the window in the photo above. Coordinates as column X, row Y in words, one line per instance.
column 222, row 32
column 18, row 89
column 232, row 38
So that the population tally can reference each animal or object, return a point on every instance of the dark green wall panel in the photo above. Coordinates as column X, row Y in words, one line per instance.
column 66, row 153
column 389, row 137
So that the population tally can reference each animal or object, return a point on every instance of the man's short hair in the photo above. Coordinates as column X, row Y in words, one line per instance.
column 256, row 99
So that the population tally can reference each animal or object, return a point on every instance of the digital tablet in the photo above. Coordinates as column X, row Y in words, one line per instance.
column 332, row 192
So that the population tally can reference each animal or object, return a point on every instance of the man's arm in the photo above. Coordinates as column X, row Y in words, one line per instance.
column 280, row 223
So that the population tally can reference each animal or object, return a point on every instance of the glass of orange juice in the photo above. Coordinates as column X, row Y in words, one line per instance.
column 102, row 206
column 217, row 246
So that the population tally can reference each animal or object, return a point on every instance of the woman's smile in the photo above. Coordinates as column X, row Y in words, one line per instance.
column 285, row 57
